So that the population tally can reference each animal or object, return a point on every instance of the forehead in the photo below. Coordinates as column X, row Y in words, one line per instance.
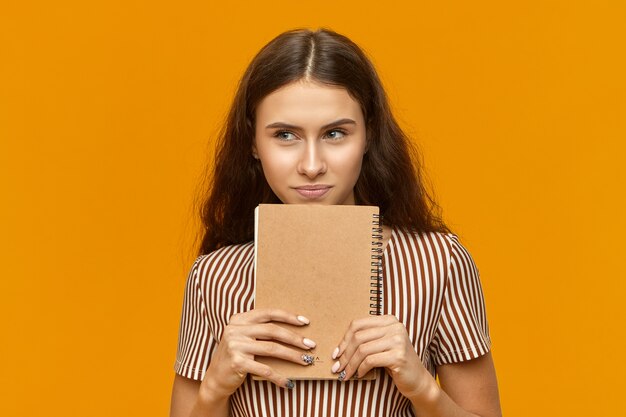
column 308, row 103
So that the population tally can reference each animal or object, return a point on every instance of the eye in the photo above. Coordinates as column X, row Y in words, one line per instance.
column 285, row 135
column 336, row 134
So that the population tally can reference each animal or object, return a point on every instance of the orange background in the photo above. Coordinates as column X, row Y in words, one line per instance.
column 107, row 113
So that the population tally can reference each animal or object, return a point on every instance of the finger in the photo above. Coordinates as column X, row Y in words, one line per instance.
column 276, row 350
column 259, row 369
column 271, row 331
column 266, row 315
column 358, row 338
column 376, row 360
column 362, row 352
column 362, row 324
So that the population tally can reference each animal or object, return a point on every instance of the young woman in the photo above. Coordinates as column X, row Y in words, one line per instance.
column 310, row 123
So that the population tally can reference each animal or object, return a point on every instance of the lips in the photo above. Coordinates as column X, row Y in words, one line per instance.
column 313, row 191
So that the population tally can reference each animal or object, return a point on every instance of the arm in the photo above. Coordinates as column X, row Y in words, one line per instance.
column 468, row 379
column 202, row 391
column 188, row 402
column 249, row 334
column 460, row 347
column 468, row 388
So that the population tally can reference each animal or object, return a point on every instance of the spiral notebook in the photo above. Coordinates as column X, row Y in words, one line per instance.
column 322, row 262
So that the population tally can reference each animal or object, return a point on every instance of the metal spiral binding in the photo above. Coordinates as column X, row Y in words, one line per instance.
column 376, row 286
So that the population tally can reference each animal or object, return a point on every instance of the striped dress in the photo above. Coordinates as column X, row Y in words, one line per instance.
column 430, row 283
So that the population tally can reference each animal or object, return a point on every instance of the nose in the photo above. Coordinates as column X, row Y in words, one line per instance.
column 312, row 162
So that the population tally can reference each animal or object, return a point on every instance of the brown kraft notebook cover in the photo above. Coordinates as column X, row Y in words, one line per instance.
column 321, row 262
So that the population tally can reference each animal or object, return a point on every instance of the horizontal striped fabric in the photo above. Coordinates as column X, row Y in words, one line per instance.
column 430, row 283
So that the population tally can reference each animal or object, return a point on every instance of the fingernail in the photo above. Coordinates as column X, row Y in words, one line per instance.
column 307, row 358
column 303, row 319
column 342, row 375
column 290, row 384
column 335, row 367
column 336, row 352
column 309, row 342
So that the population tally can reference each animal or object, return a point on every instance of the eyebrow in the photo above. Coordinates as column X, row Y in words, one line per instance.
column 332, row 124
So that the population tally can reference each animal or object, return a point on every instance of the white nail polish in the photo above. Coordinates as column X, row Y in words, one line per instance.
column 303, row 319
column 335, row 353
column 309, row 342
column 335, row 367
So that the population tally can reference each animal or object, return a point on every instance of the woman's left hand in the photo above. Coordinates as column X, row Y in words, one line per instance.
column 382, row 341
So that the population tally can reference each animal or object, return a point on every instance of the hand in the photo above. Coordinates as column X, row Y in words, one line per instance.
column 382, row 341
column 254, row 333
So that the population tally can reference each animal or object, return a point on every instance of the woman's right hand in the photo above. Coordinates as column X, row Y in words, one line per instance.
column 254, row 333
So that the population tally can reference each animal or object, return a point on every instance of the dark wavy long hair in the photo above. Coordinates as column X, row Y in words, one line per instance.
column 391, row 176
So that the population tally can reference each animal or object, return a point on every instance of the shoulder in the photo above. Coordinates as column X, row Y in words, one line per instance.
column 461, row 261
column 226, row 252
column 416, row 241
column 438, row 246
column 223, row 261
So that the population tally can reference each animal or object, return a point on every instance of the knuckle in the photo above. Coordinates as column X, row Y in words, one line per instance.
column 270, row 328
column 236, row 363
column 271, row 348
column 231, row 345
column 293, row 336
column 283, row 334
column 273, row 314
column 288, row 336
column 360, row 351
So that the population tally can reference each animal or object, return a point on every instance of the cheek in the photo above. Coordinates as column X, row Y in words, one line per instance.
column 348, row 162
column 278, row 159
column 277, row 162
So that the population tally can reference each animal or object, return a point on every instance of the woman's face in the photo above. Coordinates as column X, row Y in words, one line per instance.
column 310, row 141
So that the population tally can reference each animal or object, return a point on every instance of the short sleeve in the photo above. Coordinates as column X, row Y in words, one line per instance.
column 195, row 340
column 462, row 331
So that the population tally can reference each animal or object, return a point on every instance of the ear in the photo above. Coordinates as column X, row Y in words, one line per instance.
column 255, row 154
